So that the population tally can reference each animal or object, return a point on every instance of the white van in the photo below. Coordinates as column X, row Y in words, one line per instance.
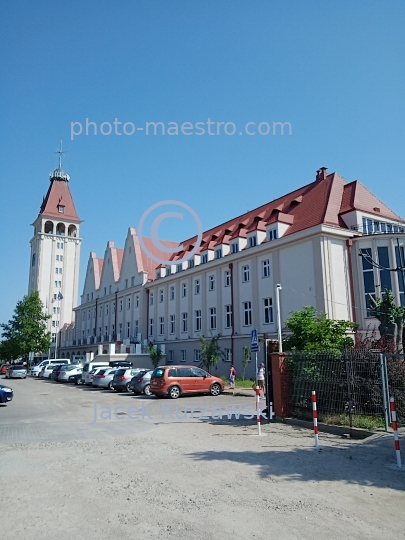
column 36, row 370
column 88, row 366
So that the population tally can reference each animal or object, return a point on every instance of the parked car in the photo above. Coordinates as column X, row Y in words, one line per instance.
column 104, row 378
column 46, row 371
column 76, row 379
column 66, row 371
column 89, row 375
column 55, row 372
column 4, row 368
column 173, row 381
column 6, row 394
column 16, row 372
column 34, row 371
column 88, row 366
column 140, row 384
column 122, row 378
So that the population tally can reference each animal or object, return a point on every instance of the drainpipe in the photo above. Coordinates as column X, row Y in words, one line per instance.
column 349, row 244
column 147, row 314
column 95, row 322
column 233, row 315
column 115, row 315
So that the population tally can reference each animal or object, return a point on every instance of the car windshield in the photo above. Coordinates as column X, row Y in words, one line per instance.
column 140, row 374
column 120, row 372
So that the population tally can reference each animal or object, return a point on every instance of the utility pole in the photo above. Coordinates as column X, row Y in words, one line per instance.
column 280, row 341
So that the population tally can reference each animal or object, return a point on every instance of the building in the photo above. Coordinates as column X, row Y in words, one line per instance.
column 308, row 241
column 55, row 253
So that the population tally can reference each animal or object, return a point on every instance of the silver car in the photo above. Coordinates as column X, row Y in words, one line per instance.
column 67, row 371
column 16, row 372
column 104, row 378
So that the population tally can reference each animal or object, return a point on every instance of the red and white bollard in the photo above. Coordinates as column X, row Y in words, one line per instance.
column 315, row 417
column 258, row 410
column 395, row 428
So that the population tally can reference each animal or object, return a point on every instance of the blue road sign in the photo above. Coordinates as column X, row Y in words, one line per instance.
column 254, row 342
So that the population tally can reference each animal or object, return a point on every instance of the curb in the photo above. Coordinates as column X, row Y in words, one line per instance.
column 342, row 431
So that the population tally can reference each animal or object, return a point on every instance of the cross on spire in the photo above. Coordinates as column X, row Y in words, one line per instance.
column 60, row 152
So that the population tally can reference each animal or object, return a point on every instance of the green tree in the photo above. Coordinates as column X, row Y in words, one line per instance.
column 26, row 332
column 155, row 354
column 311, row 332
column 211, row 352
column 391, row 319
column 246, row 358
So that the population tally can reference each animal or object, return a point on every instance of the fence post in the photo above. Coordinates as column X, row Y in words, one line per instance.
column 315, row 417
column 395, row 428
column 384, row 390
column 349, row 391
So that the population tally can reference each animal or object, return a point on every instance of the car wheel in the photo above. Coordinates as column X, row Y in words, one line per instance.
column 147, row 390
column 127, row 387
column 174, row 392
column 215, row 389
column 110, row 385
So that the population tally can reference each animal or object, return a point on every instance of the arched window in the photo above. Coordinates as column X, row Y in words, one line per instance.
column 63, row 355
column 48, row 228
column 60, row 229
column 72, row 231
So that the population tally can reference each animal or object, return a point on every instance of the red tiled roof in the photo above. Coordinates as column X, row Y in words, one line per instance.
column 59, row 194
column 321, row 202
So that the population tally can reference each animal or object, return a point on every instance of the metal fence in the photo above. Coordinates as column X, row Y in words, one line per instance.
column 352, row 387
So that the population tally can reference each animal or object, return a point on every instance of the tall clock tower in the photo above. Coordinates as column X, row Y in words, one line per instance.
column 55, row 252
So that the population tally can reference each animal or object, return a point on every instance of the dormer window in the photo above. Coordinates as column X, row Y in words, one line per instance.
column 191, row 263
column 61, row 209
column 218, row 253
column 179, row 267
column 252, row 241
column 234, row 248
column 204, row 258
column 272, row 234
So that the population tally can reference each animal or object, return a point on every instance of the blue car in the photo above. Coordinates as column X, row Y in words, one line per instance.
column 6, row 394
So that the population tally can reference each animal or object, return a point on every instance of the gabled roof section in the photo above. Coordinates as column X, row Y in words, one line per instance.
column 358, row 197
column 59, row 195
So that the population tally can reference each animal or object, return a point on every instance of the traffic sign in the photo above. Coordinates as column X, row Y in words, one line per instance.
column 254, row 342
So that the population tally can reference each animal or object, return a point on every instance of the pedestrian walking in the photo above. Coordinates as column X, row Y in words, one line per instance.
column 260, row 378
column 232, row 375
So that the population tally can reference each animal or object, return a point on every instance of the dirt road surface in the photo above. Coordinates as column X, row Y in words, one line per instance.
column 165, row 477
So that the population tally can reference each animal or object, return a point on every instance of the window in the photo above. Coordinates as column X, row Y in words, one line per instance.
column 184, row 290
column 83, row 315
column 88, row 314
column 213, row 318
column 197, row 286
column 92, row 296
column 211, row 283
column 106, row 309
column 168, row 270
column 247, row 313
column 172, row 324
column 109, row 289
column 61, row 209
column 368, row 278
column 128, row 329
column 120, row 329
column 136, row 328
column 218, row 253
column 151, row 299
column 245, row 273
column 191, row 263
column 228, row 316
column 252, row 241
column 204, row 258
column 179, row 267
column 197, row 355
column 120, row 305
column 56, row 310
column 126, row 283
column 161, row 325
column 105, row 291
column 106, row 332
column 161, row 295
column 272, row 235
column 198, row 320
column 171, row 356
column 113, row 307
column 227, row 278
column 183, row 355
column 171, row 293
column 61, row 258
column 132, row 281
column 385, row 275
column 57, row 257
column 129, row 302
column 234, row 247
column 266, row 268
column 53, row 338
column 100, row 311
column 268, row 310
column 184, row 322
column 137, row 300
column 228, row 355
column 151, row 321
column 400, row 262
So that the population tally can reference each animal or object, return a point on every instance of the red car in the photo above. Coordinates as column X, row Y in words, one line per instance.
column 173, row 381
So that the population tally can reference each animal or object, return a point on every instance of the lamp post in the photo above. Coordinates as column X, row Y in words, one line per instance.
column 280, row 341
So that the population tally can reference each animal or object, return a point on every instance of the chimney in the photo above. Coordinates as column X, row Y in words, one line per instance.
column 321, row 174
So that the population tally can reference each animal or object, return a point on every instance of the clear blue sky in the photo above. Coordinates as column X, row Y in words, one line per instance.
column 334, row 70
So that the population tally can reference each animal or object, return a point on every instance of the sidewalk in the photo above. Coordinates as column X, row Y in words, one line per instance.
column 248, row 391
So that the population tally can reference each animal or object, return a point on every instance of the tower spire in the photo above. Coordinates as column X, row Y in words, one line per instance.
column 60, row 152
